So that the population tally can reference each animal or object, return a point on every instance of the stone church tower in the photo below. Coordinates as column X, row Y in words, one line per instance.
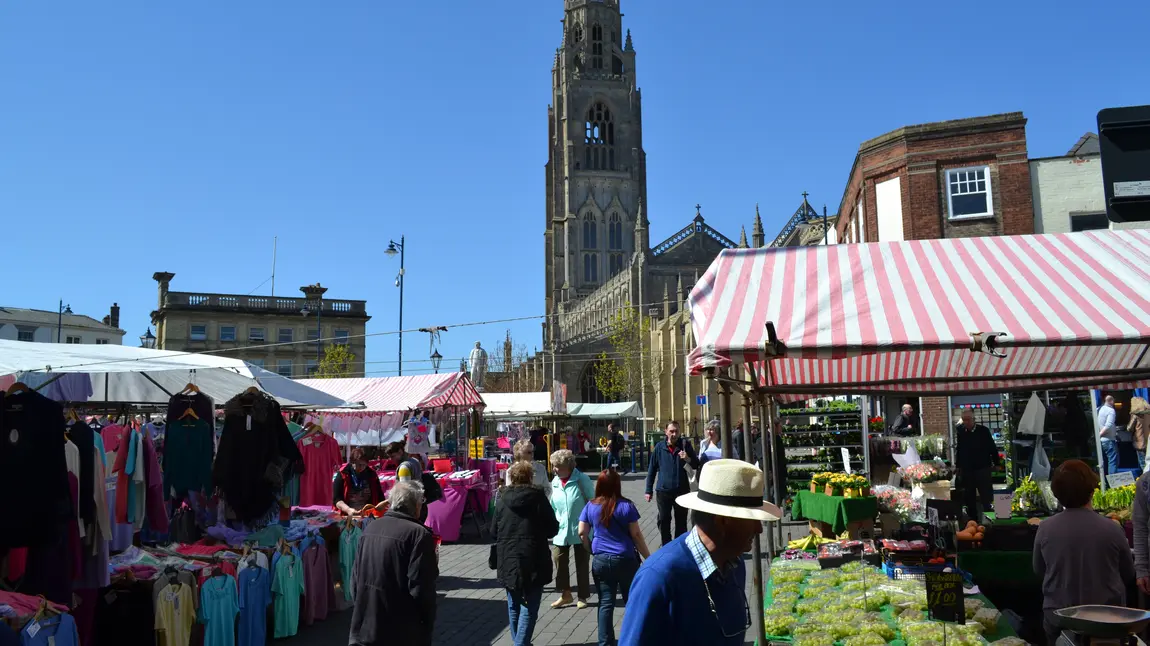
column 596, row 167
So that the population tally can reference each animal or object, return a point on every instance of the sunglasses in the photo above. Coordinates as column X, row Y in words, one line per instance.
column 714, row 611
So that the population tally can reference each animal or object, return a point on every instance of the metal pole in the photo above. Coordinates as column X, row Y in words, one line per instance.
column 756, row 547
column 772, row 413
column 768, row 471
column 725, row 425
column 402, row 280
column 59, row 320
column 319, row 332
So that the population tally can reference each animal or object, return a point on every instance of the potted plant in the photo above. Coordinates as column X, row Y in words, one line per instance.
column 835, row 484
column 819, row 481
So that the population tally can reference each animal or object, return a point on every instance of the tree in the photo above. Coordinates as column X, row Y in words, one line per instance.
column 623, row 373
column 337, row 362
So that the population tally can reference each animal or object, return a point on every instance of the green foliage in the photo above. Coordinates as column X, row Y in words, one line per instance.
column 337, row 362
column 621, row 374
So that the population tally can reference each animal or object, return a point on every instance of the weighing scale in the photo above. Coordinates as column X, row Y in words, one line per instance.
column 1101, row 626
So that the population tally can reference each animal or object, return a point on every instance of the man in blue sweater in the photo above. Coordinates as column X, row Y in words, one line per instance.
column 691, row 592
column 667, row 462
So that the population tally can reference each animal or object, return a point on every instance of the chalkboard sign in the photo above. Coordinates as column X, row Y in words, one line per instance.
column 944, row 600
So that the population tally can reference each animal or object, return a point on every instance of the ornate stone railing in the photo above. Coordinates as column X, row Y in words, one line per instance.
column 256, row 304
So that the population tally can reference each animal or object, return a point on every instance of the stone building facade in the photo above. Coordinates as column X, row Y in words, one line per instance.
column 272, row 332
column 598, row 255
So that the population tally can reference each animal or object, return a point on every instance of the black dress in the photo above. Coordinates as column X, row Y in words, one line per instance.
column 256, row 455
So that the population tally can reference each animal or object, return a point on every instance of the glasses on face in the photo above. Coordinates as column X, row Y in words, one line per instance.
column 715, row 612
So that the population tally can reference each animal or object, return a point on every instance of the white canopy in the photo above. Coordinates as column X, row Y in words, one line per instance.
column 141, row 376
column 521, row 406
column 604, row 411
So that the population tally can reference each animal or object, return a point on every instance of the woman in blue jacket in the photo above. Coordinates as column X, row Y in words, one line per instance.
column 571, row 490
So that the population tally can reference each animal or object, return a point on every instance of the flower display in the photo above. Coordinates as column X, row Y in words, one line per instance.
column 898, row 501
column 877, row 425
column 919, row 473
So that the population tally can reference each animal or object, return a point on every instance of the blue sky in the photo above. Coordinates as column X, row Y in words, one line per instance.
column 139, row 136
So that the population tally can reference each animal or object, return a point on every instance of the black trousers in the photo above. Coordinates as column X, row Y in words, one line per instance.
column 977, row 494
column 666, row 503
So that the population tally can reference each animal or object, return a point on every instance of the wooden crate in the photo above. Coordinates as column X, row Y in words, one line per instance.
column 823, row 530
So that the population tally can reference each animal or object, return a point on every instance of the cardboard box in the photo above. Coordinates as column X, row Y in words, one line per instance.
column 853, row 531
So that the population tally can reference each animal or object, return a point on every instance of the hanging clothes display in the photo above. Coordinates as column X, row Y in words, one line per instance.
column 348, row 546
column 316, row 577
column 419, row 435
column 189, row 442
column 37, row 504
column 287, row 586
column 320, row 460
column 175, row 613
column 254, row 598
column 256, row 455
column 218, row 607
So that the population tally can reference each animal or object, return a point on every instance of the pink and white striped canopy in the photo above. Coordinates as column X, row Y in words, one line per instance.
column 1073, row 310
column 402, row 394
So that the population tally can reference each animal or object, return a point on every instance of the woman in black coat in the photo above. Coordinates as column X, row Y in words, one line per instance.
column 523, row 526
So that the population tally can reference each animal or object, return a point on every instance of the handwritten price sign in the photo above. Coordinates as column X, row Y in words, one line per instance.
column 944, row 598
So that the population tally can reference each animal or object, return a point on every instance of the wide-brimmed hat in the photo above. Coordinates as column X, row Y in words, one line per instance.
column 730, row 488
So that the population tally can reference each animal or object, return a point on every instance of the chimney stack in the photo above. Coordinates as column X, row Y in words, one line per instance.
column 114, row 316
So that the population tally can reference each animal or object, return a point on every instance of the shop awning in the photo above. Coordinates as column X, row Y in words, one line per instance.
column 521, row 406
column 402, row 394
column 123, row 374
column 618, row 410
column 1065, row 310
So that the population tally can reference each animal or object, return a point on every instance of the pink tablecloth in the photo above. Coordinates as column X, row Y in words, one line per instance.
column 445, row 516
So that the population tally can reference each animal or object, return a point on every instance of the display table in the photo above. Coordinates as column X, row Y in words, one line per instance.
column 836, row 511
column 1003, row 629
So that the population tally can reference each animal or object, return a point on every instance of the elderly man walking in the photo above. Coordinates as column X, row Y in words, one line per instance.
column 692, row 590
column 394, row 575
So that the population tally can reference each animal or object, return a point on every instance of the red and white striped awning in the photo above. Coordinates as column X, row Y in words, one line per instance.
column 1068, row 310
column 402, row 394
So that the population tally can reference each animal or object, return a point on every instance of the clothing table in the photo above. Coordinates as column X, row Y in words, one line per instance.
column 836, row 511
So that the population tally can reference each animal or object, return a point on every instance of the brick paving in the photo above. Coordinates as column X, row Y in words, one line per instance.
column 473, row 606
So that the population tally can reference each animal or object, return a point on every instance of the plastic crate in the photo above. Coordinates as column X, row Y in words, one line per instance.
column 918, row 572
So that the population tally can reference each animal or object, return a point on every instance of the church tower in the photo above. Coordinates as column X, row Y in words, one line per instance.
column 596, row 167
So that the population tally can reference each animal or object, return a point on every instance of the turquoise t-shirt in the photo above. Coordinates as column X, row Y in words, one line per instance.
column 219, row 606
column 287, row 588
column 348, row 544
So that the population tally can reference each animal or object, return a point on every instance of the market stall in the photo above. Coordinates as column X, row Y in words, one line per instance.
column 445, row 403
column 933, row 317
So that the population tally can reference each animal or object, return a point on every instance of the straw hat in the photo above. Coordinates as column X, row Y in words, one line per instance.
column 730, row 488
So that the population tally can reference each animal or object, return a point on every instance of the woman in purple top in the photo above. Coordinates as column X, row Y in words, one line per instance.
column 616, row 547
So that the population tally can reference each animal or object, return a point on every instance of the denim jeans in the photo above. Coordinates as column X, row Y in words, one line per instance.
column 1141, row 460
column 522, row 611
column 1110, row 452
column 612, row 573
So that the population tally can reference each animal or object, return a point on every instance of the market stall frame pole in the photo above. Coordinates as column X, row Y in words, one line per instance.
column 768, row 472
column 725, row 411
column 1094, row 394
column 756, row 546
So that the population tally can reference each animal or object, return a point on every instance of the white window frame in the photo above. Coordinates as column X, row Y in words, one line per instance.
column 192, row 332
column 989, row 194
column 263, row 333
column 280, row 363
column 101, row 341
column 74, row 340
column 25, row 333
column 341, row 336
column 235, row 333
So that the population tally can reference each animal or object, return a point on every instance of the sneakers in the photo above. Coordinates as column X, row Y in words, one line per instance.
column 563, row 601
column 581, row 604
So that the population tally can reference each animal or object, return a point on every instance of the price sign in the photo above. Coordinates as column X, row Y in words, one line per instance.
column 846, row 459
column 944, row 599
column 1119, row 479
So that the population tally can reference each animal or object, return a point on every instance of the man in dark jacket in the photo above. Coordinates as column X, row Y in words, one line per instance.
column 667, row 462
column 523, row 526
column 906, row 423
column 975, row 453
column 394, row 576
column 615, row 446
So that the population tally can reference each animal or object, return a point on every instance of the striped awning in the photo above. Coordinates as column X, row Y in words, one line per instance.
column 402, row 394
column 1059, row 311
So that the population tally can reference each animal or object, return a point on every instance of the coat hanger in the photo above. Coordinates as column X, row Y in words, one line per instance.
column 190, row 412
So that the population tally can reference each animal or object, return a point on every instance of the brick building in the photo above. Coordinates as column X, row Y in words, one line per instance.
column 960, row 178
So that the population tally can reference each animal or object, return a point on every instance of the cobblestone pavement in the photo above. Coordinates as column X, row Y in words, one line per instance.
column 473, row 606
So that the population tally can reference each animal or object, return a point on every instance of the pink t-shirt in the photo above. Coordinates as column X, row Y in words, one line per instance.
column 320, row 460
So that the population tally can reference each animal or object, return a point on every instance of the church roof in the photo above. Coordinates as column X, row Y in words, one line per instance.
column 802, row 215
column 1086, row 145
column 697, row 227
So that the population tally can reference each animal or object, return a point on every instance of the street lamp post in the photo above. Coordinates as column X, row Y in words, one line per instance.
column 148, row 340
column 436, row 358
column 64, row 309
column 393, row 248
column 314, row 294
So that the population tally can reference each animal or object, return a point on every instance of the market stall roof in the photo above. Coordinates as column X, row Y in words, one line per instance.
column 604, row 411
column 1038, row 311
column 506, row 406
column 401, row 394
column 141, row 376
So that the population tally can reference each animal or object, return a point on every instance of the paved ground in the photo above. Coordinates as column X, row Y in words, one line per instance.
column 473, row 609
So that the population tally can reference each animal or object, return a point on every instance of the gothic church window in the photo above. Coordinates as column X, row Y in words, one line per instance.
column 616, row 262
column 577, row 34
column 615, row 232
column 599, row 138
column 596, row 47
column 590, row 232
column 590, row 267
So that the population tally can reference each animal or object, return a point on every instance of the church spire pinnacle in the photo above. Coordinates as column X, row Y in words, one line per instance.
column 629, row 46
column 757, row 237
column 679, row 289
column 743, row 238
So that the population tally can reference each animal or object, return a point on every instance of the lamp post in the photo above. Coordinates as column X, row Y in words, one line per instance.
column 314, row 294
column 148, row 340
column 436, row 358
column 393, row 248
column 64, row 309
